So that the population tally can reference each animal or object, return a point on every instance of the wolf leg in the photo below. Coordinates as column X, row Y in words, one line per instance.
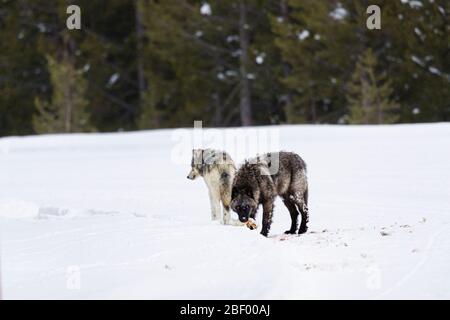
column 302, row 205
column 305, row 219
column 294, row 215
column 215, row 205
column 227, row 220
column 267, row 216
column 226, row 216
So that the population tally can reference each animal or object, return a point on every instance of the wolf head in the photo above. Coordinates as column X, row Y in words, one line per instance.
column 197, row 164
column 204, row 160
column 243, row 203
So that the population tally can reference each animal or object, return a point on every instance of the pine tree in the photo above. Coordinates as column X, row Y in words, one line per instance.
column 315, row 46
column 216, row 66
column 418, row 35
column 67, row 110
column 110, row 52
column 153, row 63
column 22, row 68
column 369, row 94
column 178, row 63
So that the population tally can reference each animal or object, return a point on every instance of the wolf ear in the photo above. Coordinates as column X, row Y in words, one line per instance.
column 209, row 157
column 197, row 152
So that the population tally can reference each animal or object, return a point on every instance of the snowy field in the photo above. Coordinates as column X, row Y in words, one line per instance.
column 108, row 216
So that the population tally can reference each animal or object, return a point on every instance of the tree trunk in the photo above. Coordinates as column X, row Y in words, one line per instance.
column 68, row 110
column 313, row 111
column 286, row 70
column 218, row 111
column 379, row 108
column 245, row 99
column 140, row 36
column 67, row 58
column 366, row 104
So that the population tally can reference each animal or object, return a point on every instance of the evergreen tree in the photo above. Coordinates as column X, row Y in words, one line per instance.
column 67, row 111
column 22, row 67
column 416, row 54
column 323, row 40
column 108, row 51
column 369, row 94
column 212, row 61
column 154, row 64
column 315, row 46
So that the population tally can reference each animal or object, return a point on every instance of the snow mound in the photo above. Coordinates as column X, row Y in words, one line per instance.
column 15, row 209
column 22, row 210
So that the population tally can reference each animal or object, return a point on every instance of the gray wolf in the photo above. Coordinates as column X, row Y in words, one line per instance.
column 255, row 183
column 218, row 170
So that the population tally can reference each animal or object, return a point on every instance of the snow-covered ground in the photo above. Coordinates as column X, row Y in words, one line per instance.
column 113, row 216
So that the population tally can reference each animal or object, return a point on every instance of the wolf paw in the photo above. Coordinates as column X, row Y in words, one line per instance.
column 302, row 230
column 251, row 224
column 265, row 233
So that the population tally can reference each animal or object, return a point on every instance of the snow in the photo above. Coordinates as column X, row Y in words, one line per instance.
column 231, row 73
column 236, row 53
column 205, row 9
column 417, row 60
column 435, row 71
column 415, row 4
column 113, row 79
column 86, row 67
column 232, row 38
column 339, row 13
column 90, row 216
column 303, row 35
column 418, row 32
column 42, row 28
column 260, row 58
column 220, row 76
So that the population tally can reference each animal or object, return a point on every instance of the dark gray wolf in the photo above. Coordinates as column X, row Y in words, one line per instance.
column 218, row 170
column 257, row 183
